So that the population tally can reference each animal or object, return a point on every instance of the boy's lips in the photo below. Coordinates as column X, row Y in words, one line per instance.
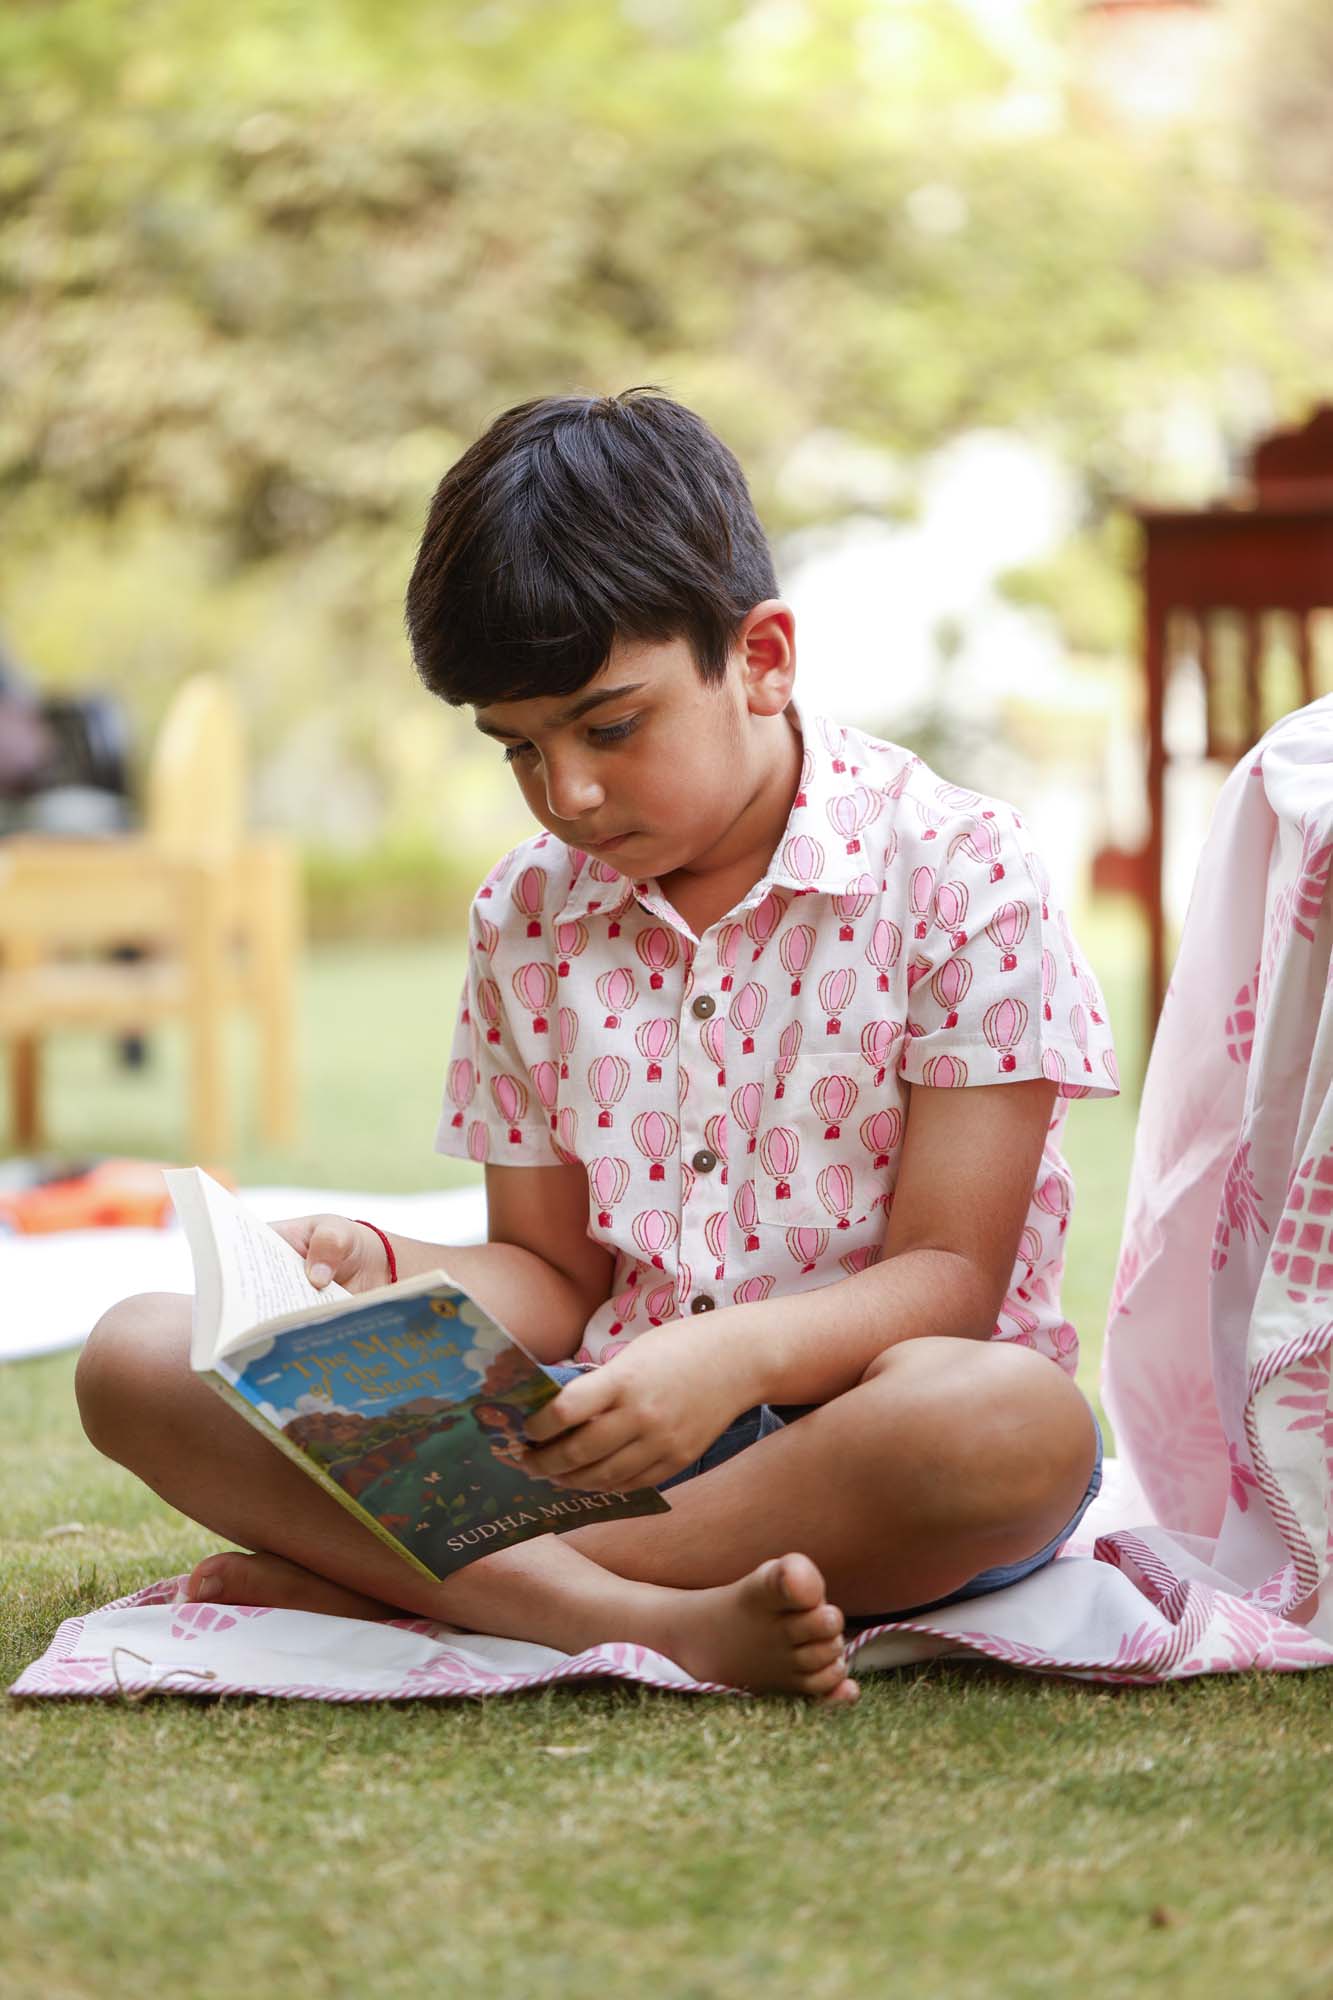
column 605, row 846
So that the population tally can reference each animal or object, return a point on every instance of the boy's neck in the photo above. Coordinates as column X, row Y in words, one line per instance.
column 705, row 891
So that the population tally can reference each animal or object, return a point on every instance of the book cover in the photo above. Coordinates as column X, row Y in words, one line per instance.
column 411, row 1410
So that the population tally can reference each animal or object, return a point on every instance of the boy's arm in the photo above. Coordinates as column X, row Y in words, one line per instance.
column 541, row 1274
column 969, row 1165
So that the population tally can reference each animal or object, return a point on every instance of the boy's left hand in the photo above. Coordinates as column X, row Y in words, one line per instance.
column 646, row 1415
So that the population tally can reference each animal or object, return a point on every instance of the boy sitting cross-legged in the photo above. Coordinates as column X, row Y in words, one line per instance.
column 766, row 1042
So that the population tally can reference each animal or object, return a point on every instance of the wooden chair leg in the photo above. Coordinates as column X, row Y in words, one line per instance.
column 206, row 962
column 273, row 897
column 25, row 1087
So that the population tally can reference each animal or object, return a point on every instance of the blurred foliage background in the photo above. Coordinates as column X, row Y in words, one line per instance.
column 266, row 271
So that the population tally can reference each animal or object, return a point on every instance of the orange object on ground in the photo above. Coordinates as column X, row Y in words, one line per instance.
column 114, row 1194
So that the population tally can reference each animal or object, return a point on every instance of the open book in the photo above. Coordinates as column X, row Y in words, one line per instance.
column 407, row 1403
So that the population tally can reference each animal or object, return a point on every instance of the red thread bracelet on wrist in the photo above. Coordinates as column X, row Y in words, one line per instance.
column 388, row 1247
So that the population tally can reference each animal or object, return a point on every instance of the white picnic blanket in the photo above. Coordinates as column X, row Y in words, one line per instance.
column 1208, row 1548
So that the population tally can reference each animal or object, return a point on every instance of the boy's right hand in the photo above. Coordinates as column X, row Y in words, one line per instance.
column 334, row 1246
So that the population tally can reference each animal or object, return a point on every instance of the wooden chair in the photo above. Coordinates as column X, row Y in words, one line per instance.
column 216, row 913
column 1218, row 586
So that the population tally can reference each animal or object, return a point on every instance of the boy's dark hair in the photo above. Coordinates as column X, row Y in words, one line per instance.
column 574, row 521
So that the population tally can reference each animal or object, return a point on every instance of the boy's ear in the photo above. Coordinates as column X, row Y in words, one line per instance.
column 766, row 643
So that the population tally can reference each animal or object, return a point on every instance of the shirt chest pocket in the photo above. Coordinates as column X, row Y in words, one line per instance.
column 827, row 1145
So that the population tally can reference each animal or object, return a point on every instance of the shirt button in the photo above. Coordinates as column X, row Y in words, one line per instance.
column 704, row 1161
column 701, row 1303
column 703, row 1006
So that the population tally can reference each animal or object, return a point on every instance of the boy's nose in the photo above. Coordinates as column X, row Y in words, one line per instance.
column 571, row 792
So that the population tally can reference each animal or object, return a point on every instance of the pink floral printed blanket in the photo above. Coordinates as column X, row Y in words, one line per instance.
column 1208, row 1550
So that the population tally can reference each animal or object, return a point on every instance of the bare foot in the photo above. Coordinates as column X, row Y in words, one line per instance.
column 773, row 1631
column 272, row 1580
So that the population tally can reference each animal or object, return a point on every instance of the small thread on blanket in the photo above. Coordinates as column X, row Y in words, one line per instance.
column 140, row 1694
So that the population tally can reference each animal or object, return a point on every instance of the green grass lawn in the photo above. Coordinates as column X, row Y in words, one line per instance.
column 962, row 1831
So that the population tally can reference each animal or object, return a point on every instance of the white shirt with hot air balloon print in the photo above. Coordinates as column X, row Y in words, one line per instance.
column 739, row 1100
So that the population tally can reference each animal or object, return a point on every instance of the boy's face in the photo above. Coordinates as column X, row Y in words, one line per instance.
column 648, row 767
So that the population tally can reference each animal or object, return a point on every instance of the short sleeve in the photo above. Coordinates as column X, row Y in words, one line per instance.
column 998, row 990
column 493, row 1106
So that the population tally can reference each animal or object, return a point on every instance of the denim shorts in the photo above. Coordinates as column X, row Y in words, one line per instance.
column 765, row 1418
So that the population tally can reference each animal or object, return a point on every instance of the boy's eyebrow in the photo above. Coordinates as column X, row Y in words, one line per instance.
column 576, row 709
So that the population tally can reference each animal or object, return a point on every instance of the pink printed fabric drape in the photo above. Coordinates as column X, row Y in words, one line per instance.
column 1208, row 1550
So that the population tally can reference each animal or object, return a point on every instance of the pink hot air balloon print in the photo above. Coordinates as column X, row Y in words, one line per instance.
column 496, row 876
column 569, row 1035
column 883, row 951
column 567, row 1134
column 836, row 992
column 764, row 919
column 617, row 991
column 624, row 1305
column 656, row 1134
column 571, row 939
column 852, row 905
column 795, row 948
column 789, row 1048
column 608, row 1179
column 655, row 1040
column 835, row 741
column 833, row 1097
column 860, row 1259
column 752, row 1291
column 715, row 1236
column 807, row 775
column 806, row 1246
column 534, row 987
column 655, row 1231
column 747, row 1011
column 478, row 1141
column 746, row 1105
column 836, row 1187
column 917, row 968
column 608, row 1079
column 880, row 1133
column 950, row 911
column 713, row 1036
column 488, row 1006
column 850, row 813
column 877, row 1041
column 546, row 1082
column 981, row 841
column 950, row 987
column 779, row 1150
column 1004, row 1026
column 658, row 949
column 728, row 944
column 1006, row 931
column 920, row 896
column 1049, row 975
column 1089, row 989
column 715, row 1136
column 488, row 936
column 944, row 1073
column 747, row 1215
column 803, row 857
column 461, row 1085
column 510, row 1098
column 1078, row 1028
column 528, row 895
column 660, row 1303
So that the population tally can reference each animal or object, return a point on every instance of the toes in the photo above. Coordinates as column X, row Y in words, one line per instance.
column 796, row 1583
column 211, row 1581
column 818, row 1654
column 824, row 1622
column 828, row 1680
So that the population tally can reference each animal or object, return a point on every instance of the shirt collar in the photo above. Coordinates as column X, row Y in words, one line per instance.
column 823, row 846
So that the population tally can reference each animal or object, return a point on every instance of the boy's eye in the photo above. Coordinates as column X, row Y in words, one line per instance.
column 611, row 732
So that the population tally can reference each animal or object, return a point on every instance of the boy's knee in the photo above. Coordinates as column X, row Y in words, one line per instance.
column 124, row 1358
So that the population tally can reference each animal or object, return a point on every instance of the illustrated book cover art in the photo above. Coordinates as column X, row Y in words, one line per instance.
column 406, row 1403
